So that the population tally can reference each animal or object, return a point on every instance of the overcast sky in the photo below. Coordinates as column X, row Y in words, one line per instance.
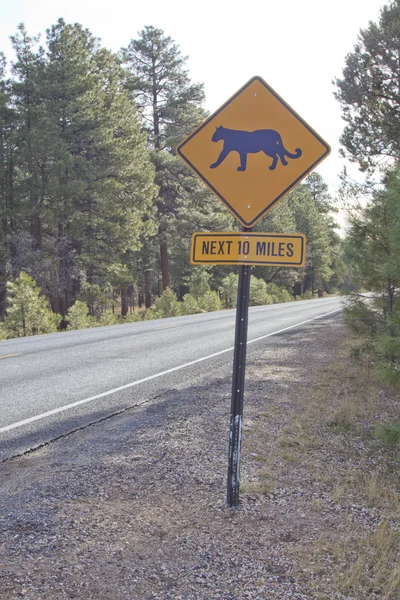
column 297, row 46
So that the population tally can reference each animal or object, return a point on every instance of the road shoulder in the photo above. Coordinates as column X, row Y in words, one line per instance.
column 134, row 507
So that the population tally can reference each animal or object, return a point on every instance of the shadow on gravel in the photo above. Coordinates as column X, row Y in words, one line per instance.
column 133, row 507
column 18, row 442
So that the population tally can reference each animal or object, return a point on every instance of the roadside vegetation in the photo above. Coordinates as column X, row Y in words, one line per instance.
column 95, row 206
column 346, row 437
column 97, row 212
column 96, row 216
column 28, row 312
column 369, row 99
column 332, row 448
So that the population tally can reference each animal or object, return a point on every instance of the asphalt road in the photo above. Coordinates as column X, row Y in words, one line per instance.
column 53, row 384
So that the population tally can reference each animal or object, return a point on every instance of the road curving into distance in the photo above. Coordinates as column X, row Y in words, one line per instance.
column 53, row 384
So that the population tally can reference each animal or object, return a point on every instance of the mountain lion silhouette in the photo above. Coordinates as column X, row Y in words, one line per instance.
column 245, row 142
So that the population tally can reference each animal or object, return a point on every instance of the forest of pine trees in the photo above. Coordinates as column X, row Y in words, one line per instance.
column 369, row 95
column 97, row 211
column 95, row 206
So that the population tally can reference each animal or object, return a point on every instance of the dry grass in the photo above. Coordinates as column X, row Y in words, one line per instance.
column 368, row 565
column 134, row 507
column 348, row 403
column 330, row 438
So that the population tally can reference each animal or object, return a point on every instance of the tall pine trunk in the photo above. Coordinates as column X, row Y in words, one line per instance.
column 147, row 288
column 131, row 297
column 124, row 300
column 166, row 279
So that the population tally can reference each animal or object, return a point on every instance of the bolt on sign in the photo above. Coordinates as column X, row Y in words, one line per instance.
column 253, row 150
column 235, row 248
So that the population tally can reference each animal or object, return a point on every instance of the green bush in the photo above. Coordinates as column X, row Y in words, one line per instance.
column 210, row 302
column 108, row 318
column 286, row 296
column 307, row 296
column 389, row 434
column 199, row 285
column 95, row 298
column 190, row 305
column 150, row 314
column 278, row 294
column 132, row 317
column 274, row 291
column 168, row 305
column 3, row 332
column 78, row 317
column 258, row 292
column 229, row 289
column 27, row 311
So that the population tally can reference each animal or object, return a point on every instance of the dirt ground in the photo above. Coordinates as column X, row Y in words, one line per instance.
column 133, row 508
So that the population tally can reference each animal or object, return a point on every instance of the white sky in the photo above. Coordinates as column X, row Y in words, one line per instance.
column 297, row 46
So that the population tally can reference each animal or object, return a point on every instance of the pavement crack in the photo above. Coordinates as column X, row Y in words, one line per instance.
column 82, row 428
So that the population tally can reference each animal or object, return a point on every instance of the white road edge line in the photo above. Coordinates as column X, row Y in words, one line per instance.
column 55, row 411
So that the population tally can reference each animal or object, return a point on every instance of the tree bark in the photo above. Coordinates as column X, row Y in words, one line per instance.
column 124, row 300
column 131, row 297
column 166, row 279
column 3, row 297
column 307, row 283
column 141, row 295
column 147, row 289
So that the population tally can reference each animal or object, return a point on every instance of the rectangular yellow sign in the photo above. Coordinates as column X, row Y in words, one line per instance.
column 242, row 248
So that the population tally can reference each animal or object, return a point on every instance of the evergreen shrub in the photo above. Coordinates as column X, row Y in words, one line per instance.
column 108, row 318
column 190, row 305
column 389, row 434
column 210, row 302
column 167, row 305
column 307, row 295
column 132, row 317
column 27, row 311
column 78, row 316
column 229, row 290
column 150, row 314
column 3, row 332
column 258, row 292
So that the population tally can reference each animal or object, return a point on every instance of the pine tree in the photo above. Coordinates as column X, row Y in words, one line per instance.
column 320, row 194
column 309, row 221
column 101, row 186
column 369, row 92
column 280, row 220
column 373, row 246
column 77, row 182
column 7, row 126
column 326, row 207
column 169, row 104
column 74, row 98
column 31, row 133
column 389, row 342
column 28, row 312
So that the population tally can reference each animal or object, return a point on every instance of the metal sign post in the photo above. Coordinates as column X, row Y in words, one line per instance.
column 254, row 146
column 239, row 368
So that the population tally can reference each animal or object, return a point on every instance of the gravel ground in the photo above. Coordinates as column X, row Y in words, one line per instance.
column 133, row 508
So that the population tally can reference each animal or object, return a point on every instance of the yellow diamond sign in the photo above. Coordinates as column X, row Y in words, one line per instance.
column 253, row 150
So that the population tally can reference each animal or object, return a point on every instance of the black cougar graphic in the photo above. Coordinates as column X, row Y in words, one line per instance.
column 245, row 142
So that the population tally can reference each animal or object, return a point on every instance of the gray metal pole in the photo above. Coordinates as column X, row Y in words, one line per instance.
column 239, row 367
